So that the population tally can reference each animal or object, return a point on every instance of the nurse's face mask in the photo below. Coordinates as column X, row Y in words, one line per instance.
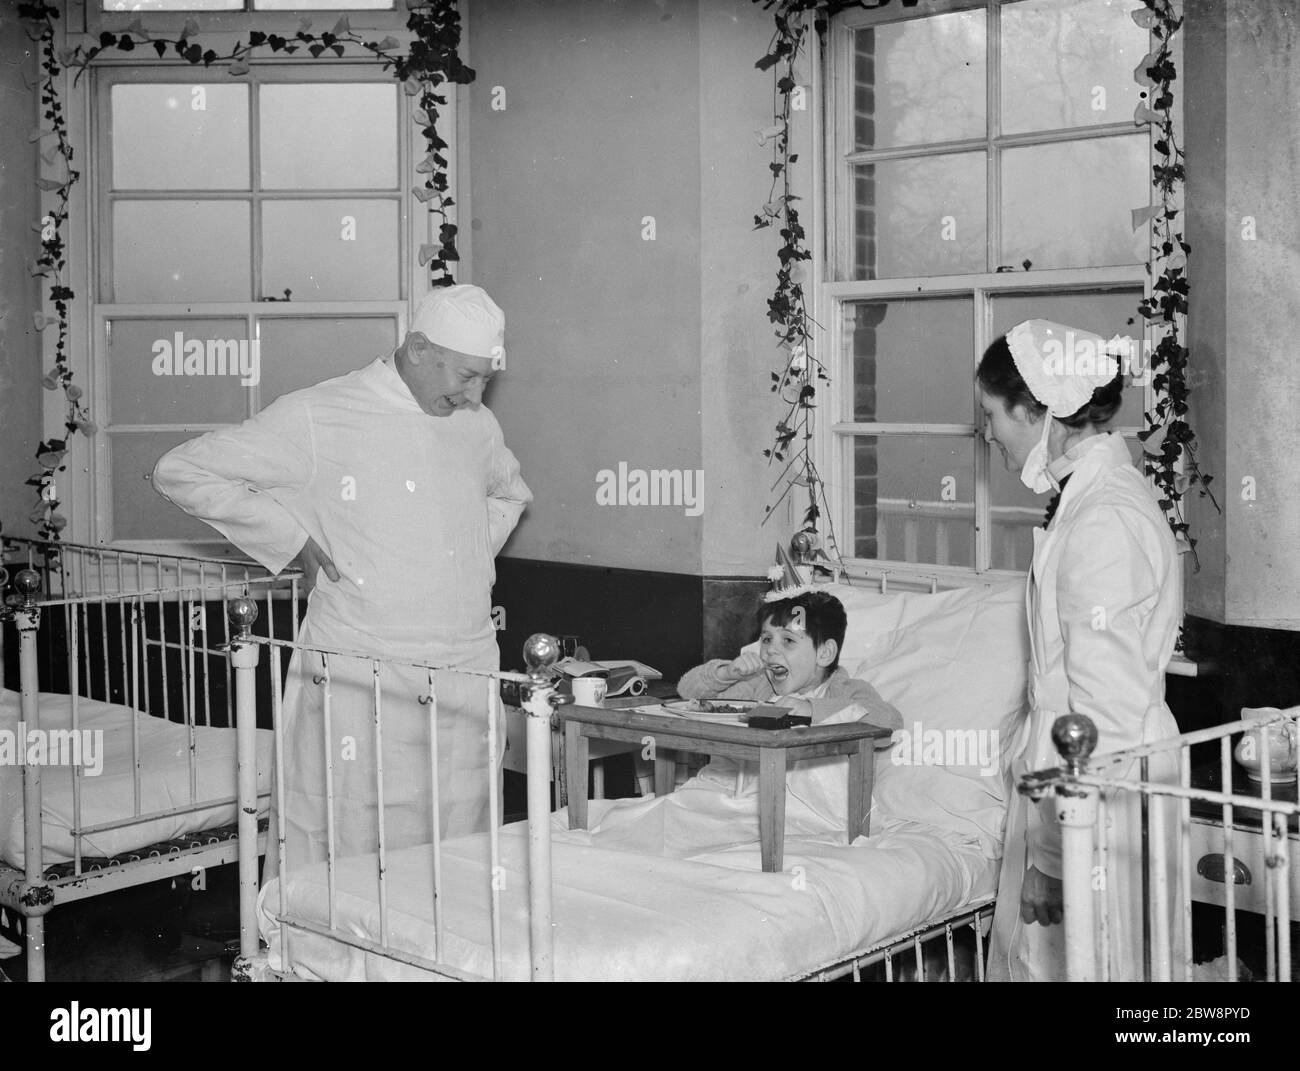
column 445, row 380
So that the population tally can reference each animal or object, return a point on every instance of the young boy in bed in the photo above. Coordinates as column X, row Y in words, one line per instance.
column 796, row 666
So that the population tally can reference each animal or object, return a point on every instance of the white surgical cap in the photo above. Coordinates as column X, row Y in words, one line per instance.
column 463, row 318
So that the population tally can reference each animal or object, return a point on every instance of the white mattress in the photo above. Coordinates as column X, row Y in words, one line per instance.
column 164, row 780
column 698, row 908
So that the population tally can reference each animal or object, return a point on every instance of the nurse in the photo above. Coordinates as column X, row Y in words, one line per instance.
column 1104, row 604
column 394, row 488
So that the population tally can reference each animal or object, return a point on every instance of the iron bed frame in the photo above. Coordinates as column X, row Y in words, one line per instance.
column 105, row 598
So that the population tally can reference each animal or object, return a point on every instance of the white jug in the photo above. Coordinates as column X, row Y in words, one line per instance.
column 1283, row 749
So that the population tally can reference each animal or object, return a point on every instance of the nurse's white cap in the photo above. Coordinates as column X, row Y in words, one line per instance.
column 463, row 318
column 1061, row 365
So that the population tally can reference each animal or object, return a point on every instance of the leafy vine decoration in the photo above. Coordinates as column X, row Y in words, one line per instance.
column 1174, row 468
column 51, row 264
column 431, row 60
column 801, row 371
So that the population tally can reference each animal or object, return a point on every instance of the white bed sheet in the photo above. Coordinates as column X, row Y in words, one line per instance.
column 165, row 780
column 688, row 912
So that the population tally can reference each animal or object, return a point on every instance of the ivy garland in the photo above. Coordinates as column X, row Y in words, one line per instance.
column 1174, row 469
column 432, row 59
column 801, row 372
column 51, row 264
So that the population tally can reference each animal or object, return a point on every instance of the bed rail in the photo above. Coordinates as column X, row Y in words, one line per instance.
column 950, row 949
column 127, row 628
column 1187, row 790
column 538, row 699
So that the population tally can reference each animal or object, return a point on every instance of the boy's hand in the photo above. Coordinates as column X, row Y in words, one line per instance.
column 745, row 665
column 796, row 705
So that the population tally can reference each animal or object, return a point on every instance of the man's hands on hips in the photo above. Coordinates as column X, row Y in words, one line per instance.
column 1041, row 899
column 311, row 559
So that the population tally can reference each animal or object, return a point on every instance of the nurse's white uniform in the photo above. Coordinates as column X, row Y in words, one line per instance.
column 412, row 509
column 1104, row 605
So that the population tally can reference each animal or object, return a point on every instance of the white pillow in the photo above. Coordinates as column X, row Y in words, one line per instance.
column 955, row 665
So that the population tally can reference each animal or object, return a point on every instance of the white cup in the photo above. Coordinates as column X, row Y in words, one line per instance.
column 589, row 691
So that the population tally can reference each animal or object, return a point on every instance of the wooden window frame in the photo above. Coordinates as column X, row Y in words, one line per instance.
column 833, row 286
column 84, row 487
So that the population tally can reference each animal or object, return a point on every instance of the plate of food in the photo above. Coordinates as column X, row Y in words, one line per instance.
column 730, row 711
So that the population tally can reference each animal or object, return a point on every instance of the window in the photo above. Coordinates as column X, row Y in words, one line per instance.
column 981, row 167
column 252, row 237
column 246, row 5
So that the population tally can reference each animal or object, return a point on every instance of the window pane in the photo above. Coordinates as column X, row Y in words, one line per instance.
column 911, row 360
column 1015, row 511
column 172, row 5
column 299, row 352
column 1068, row 63
column 919, row 81
column 1106, row 314
column 914, row 498
column 239, row 5
column 329, row 136
column 1068, row 205
column 180, row 251
column 140, row 512
column 180, row 136
column 919, row 217
column 179, row 371
column 330, row 250
column 322, row 5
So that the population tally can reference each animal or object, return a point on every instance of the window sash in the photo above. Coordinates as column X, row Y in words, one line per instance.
column 255, row 196
column 84, row 489
column 225, row 27
column 834, row 437
column 99, row 390
column 841, row 157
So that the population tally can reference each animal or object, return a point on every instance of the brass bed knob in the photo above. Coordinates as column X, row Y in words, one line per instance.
column 1075, row 737
column 541, row 652
column 242, row 613
column 27, row 583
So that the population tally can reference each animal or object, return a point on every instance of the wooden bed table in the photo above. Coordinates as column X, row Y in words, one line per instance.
column 772, row 749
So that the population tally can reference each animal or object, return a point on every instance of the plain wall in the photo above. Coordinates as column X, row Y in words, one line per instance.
column 20, row 360
column 601, row 128
column 738, row 344
column 1263, row 303
column 1205, row 87
column 1244, row 148
column 655, row 354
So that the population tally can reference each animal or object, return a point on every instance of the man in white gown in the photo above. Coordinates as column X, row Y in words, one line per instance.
column 394, row 487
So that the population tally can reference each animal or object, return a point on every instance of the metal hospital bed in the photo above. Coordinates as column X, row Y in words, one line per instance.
column 118, row 643
column 1231, row 849
column 949, row 946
